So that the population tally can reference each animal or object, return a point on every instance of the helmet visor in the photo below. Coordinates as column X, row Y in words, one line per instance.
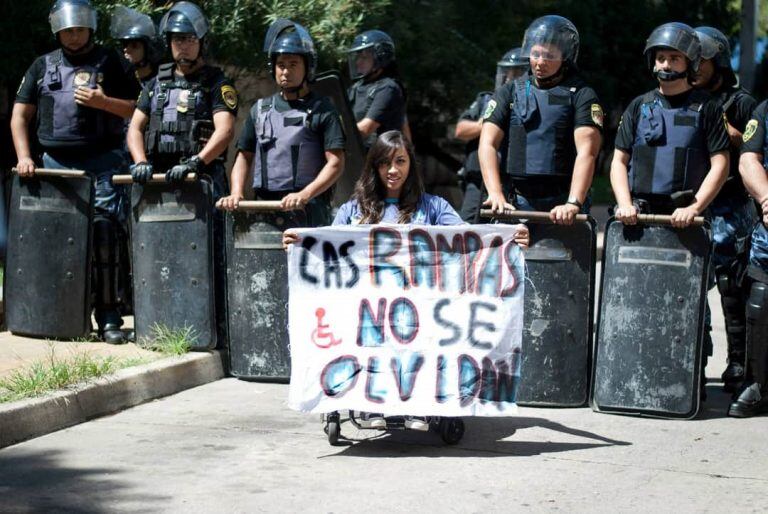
column 129, row 23
column 361, row 62
column 72, row 15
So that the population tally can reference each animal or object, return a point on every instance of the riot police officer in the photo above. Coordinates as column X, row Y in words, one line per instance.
column 753, row 166
column 733, row 213
column 293, row 141
column 672, row 148
column 378, row 96
column 547, row 125
column 184, row 122
column 185, row 116
column 137, row 35
column 78, row 96
column 511, row 66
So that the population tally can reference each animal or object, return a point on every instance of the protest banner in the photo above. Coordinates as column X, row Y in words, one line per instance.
column 406, row 320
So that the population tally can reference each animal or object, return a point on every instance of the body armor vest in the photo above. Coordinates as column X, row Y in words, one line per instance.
column 540, row 132
column 669, row 153
column 289, row 154
column 180, row 120
column 61, row 119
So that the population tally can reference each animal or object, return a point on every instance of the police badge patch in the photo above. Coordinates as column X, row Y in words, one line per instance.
column 750, row 130
column 597, row 114
column 82, row 78
column 182, row 103
column 489, row 109
column 229, row 95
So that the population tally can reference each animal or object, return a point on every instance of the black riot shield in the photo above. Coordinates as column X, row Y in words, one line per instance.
column 172, row 253
column 48, row 263
column 558, row 310
column 257, row 277
column 651, row 320
column 330, row 84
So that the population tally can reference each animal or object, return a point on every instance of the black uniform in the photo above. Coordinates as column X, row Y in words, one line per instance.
column 78, row 137
column 538, row 150
column 710, row 135
column 472, row 177
column 381, row 100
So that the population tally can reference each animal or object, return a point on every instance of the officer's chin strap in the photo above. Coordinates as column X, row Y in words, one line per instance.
column 669, row 76
column 296, row 89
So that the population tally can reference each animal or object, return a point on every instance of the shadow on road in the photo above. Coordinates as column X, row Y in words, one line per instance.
column 484, row 437
column 34, row 481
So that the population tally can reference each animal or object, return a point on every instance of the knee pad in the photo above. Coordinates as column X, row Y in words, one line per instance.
column 757, row 304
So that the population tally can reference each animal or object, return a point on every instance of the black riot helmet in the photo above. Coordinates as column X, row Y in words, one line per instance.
column 66, row 14
column 675, row 36
column 185, row 18
column 131, row 25
column 553, row 30
column 287, row 37
column 715, row 47
column 510, row 66
column 376, row 44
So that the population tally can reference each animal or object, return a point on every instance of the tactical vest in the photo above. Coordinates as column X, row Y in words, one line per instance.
column 670, row 152
column 180, row 119
column 61, row 120
column 472, row 160
column 540, row 132
column 289, row 154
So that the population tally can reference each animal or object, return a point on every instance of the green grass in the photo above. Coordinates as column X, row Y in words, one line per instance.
column 56, row 373
column 169, row 342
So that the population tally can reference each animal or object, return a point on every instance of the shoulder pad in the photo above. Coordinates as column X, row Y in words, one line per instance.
column 165, row 72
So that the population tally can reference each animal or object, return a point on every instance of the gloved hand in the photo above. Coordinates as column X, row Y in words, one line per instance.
column 141, row 172
column 184, row 168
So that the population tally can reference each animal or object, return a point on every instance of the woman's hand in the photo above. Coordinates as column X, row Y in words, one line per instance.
column 290, row 237
column 522, row 236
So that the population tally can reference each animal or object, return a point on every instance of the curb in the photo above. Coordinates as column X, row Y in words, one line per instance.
column 128, row 387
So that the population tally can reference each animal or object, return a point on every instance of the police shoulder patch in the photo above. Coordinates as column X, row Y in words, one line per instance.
column 229, row 95
column 597, row 114
column 489, row 109
column 750, row 130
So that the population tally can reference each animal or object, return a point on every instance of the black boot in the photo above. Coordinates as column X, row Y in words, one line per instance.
column 112, row 334
column 750, row 403
column 754, row 399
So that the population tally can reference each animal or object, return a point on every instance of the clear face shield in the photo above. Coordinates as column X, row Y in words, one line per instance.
column 127, row 23
column 72, row 15
column 507, row 73
column 361, row 63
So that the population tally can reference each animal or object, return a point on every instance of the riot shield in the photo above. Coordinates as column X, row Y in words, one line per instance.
column 257, row 276
column 172, row 255
column 558, row 307
column 48, row 263
column 330, row 84
column 651, row 320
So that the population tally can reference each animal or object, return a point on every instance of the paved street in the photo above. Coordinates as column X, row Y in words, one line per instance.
column 233, row 446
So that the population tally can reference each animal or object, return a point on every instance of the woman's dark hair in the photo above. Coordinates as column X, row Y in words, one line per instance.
column 370, row 192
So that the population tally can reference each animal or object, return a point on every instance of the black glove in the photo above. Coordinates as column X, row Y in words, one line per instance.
column 184, row 168
column 141, row 172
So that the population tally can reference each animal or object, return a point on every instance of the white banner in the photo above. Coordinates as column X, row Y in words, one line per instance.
column 406, row 320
